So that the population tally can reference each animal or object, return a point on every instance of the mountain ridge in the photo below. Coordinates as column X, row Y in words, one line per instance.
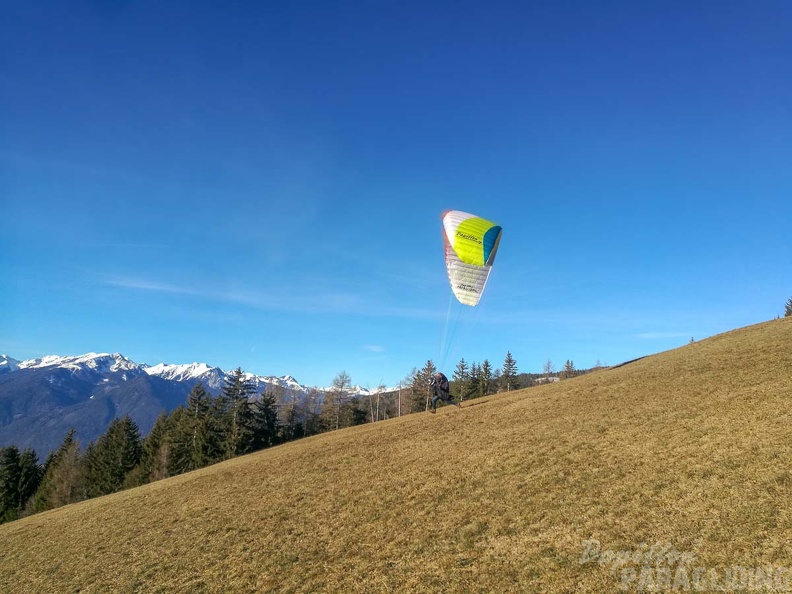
column 178, row 372
column 42, row 398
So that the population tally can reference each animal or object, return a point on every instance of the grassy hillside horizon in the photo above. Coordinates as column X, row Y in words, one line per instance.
column 675, row 462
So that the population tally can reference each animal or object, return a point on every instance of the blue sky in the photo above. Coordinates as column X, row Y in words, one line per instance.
column 260, row 184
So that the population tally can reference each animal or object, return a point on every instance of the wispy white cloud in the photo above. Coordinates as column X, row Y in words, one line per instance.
column 284, row 299
column 147, row 285
column 373, row 348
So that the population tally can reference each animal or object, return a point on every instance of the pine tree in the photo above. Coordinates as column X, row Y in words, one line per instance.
column 509, row 373
column 113, row 456
column 474, row 382
column 9, row 483
column 485, row 385
column 155, row 455
column 218, row 429
column 235, row 403
column 178, row 442
column 788, row 308
column 128, row 450
column 460, row 378
column 569, row 370
column 64, row 478
column 192, row 438
column 30, row 473
column 422, row 388
column 264, row 417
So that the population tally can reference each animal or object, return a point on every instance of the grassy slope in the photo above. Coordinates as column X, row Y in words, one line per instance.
column 692, row 447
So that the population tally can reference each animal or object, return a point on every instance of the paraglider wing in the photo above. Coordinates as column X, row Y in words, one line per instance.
column 470, row 247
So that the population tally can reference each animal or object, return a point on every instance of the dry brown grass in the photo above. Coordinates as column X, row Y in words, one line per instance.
column 691, row 447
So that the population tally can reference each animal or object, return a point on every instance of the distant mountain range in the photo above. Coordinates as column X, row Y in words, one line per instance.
column 41, row 399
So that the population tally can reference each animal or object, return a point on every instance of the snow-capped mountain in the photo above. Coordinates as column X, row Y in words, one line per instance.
column 212, row 378
column 8, row 364
column 41, row 399
column 98, row 362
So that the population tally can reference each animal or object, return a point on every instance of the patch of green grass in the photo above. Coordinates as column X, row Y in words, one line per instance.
column 691, row 447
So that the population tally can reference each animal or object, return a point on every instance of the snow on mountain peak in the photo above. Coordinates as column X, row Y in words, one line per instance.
column 46, row 361
column 8, row 363
column 189, row 371
column 101, row 362
column 213, row 378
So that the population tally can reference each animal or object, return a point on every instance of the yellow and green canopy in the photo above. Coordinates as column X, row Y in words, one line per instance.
column 470, row 247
